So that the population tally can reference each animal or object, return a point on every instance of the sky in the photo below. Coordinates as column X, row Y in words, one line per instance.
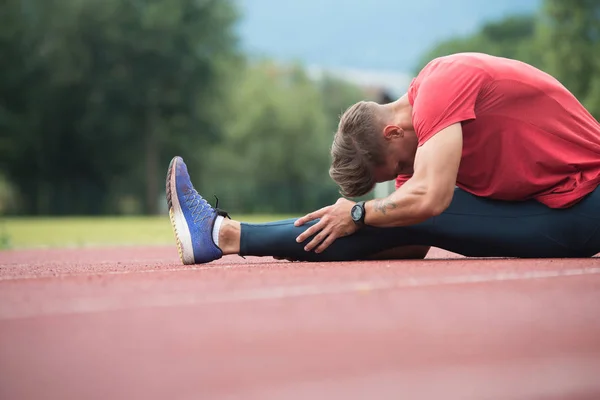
column 376, row 37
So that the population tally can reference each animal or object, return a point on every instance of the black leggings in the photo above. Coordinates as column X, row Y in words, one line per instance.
column 471, row 226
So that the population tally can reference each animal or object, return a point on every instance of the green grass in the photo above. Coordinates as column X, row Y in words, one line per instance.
column 19, row 233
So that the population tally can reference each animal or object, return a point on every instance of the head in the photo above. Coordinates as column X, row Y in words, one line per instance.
column 374, row 143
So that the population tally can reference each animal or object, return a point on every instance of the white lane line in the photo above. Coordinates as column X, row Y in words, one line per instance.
column 114, row 302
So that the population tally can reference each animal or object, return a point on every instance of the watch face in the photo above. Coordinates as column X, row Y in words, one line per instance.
column 356, row 213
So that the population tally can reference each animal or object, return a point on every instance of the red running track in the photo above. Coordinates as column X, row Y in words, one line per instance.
column 132, row 323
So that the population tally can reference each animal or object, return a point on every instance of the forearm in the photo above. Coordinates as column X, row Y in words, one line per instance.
column 409, row 205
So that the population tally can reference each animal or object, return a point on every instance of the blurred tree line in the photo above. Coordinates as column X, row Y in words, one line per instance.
column 96, row 96
column 563, row 39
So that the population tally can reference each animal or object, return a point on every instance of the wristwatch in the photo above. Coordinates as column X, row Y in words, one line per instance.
column 358, row 213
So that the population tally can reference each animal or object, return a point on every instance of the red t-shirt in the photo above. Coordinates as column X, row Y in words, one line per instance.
column 525, row 136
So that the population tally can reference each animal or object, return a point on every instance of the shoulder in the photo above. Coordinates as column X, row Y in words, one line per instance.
column 457, row 65
column 451, row 73
column 446, row 92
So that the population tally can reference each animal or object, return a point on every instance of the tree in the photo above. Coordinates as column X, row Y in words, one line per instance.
column 563, row 39
column 337, row 96
column 511, row 37
column 569, row 36
column 273, row 148
column 275, row 153
column 99, row 94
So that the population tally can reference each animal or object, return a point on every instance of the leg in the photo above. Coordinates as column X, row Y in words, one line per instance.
column 396, row 253
column 402, row 253
column 193, row 221
column 479, row 227
column 232, row 232
column 472, row 226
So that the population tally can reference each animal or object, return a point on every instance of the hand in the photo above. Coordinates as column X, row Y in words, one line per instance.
column 335, row 222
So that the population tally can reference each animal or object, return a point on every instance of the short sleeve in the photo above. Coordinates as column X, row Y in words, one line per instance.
column 445, row 96
column 401, row 180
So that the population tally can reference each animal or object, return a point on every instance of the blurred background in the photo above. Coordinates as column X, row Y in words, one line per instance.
column 96, row 97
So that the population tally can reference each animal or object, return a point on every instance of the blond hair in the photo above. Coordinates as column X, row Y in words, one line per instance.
column 356, row 150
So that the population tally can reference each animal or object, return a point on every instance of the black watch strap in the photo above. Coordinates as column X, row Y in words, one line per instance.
column 361, row 221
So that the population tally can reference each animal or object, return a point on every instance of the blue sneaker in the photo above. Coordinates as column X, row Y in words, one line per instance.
column 191, row 216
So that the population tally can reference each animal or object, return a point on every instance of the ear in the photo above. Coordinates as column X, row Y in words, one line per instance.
column 392, row 132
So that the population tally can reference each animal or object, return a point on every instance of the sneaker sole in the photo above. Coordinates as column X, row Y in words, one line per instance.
column 178, row 222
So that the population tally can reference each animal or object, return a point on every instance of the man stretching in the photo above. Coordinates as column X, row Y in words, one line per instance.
column 491, row 156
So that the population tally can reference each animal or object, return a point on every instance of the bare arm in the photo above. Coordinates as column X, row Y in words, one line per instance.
column 429, row 192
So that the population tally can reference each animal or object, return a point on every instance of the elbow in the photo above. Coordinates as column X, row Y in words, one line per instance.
column 438, row 209
column 435, row 204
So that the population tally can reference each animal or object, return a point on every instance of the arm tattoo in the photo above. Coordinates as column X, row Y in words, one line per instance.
column 383, row 205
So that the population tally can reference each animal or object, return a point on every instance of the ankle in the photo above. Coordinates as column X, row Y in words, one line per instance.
column 229, row 237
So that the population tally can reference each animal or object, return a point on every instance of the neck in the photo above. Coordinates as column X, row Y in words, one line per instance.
column 402, row 112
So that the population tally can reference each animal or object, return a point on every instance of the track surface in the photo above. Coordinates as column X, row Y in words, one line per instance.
column 132, row 323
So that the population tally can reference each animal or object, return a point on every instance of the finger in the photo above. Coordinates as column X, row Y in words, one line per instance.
column 312, row 216
column 326, row 243
column 323, row 235
column 313, row 230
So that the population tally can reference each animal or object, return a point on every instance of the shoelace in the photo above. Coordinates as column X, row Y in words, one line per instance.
column 197, row 205
column 220, row 212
